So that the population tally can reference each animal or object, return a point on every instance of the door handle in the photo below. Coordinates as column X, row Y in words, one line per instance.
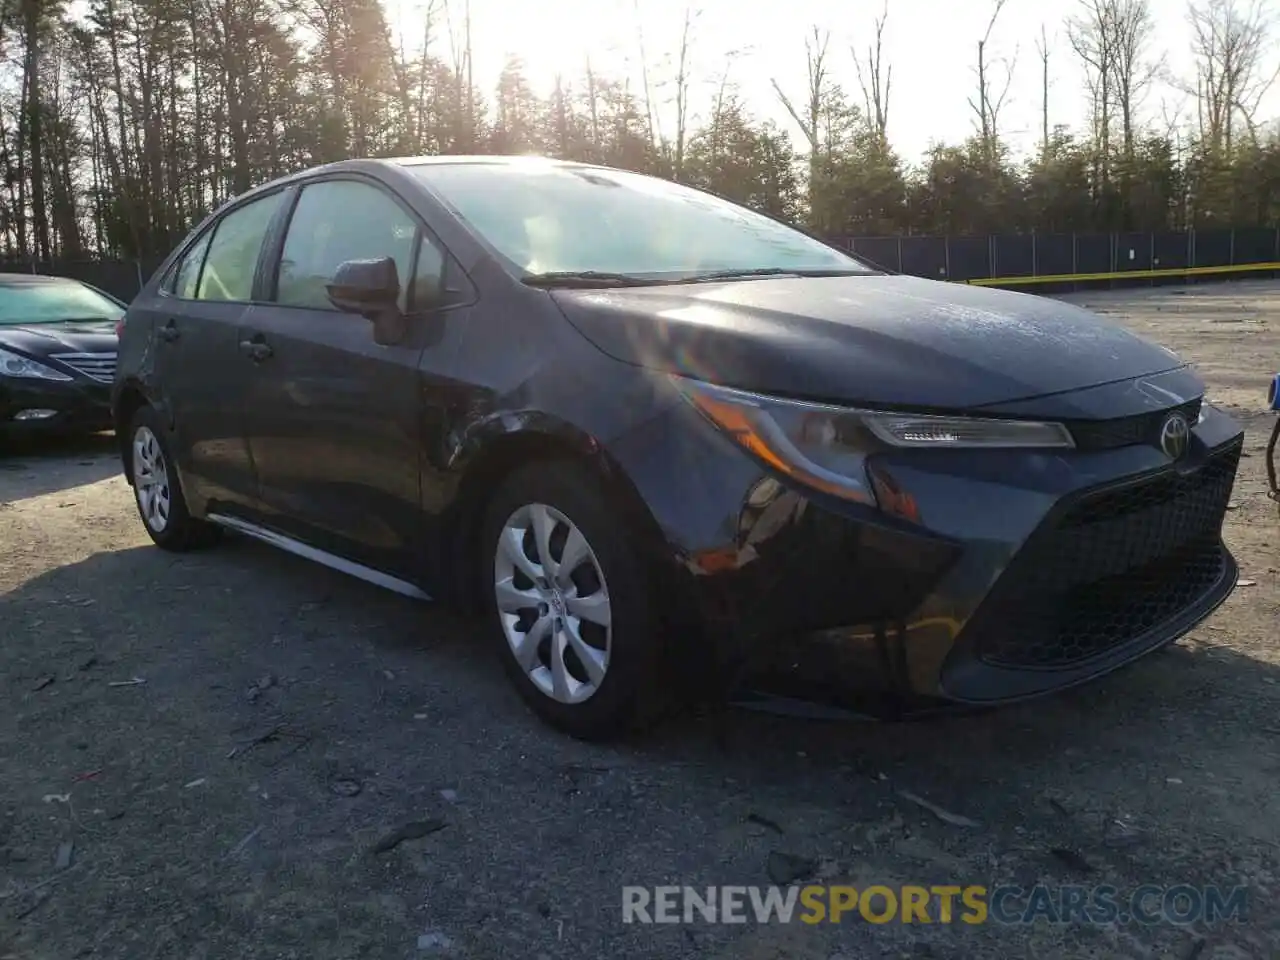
column 169, row 332
column 255, row 350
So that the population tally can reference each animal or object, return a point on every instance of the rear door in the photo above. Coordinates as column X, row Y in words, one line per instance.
column 336, row 421
column 200, row 374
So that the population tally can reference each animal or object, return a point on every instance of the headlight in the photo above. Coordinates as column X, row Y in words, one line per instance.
column 921, row 430
column 1207, row 406
column 825, row 447
column 16, row 365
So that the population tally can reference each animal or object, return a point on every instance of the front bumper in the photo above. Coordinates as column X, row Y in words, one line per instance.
column 80, row 406
column 1029, row 573
column 1110, row 574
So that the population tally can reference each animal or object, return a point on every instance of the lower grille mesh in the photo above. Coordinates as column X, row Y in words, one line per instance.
column 1112, row 566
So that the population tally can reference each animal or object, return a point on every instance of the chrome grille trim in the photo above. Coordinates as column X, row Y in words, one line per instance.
column 96, row 366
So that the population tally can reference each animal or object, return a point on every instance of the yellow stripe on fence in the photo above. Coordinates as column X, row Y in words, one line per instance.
column 1124, row 275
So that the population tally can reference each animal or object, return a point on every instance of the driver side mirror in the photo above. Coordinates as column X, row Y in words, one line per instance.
column 370, row 288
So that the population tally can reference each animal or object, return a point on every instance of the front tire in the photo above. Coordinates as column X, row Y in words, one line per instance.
column 568, row 594
column 156, row 490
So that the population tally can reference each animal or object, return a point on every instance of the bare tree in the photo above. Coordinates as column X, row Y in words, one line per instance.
column 809, row 121
column 420, row 118
column 1093, row 42
column 1042, row 49
column 875, row 77
column 1173, row 129
column 681, row 81
column 1112, row 39
column 30, row 123
column 1133, row 25
column 652, row 122
column 593, row 102
column 1173, row 122
column 724, row 98
column 461, row 55
column 1230, row 42
column 991, row 94
column 471, row 81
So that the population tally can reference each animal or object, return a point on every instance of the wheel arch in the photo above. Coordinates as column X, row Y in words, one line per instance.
column 129, row 399
column 501, row 454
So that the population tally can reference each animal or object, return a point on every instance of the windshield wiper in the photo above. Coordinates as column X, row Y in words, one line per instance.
column 600, row 278
column 773, row 272
column 585, row 278
column 59, row 320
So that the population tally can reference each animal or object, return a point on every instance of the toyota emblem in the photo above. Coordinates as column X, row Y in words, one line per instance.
column 1175, row 435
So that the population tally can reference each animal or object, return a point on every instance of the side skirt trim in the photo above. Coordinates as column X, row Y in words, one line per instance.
column 307, row 552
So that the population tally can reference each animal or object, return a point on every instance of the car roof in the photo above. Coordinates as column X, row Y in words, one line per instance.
column 14, row 279
column 369, row 164
column 504, row 160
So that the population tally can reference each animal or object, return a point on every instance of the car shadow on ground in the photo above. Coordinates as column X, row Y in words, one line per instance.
column 256, row 599
column 32, row 466
column 160, row 669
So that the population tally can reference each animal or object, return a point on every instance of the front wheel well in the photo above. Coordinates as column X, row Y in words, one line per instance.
column 492, row 468
column 128, row 403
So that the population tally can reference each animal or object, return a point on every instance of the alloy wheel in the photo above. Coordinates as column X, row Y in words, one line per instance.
column 553, row 603
column 151, row 480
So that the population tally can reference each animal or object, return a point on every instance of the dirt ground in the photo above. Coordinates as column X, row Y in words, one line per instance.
column 199, row 755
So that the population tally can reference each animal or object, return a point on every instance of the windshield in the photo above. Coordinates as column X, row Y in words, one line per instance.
column 54, row 301
column 549, row 217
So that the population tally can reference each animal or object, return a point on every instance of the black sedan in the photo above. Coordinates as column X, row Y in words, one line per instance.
column 57, row 355
column 654, row 436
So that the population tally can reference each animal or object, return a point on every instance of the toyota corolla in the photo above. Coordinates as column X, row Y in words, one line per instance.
column 649, row 432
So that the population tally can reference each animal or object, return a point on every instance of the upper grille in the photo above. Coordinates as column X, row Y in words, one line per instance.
column 1127, row 431
column 1111, row 566
column 99, row 366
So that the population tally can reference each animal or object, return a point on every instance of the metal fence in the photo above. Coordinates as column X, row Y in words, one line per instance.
column 1054, row 260
column 1043, row 262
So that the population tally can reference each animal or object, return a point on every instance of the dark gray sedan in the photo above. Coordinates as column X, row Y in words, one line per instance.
column 665, row 443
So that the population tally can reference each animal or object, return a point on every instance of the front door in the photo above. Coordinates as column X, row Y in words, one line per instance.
column 336, row 420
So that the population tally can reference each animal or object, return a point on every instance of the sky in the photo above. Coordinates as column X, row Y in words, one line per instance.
column 931, row 45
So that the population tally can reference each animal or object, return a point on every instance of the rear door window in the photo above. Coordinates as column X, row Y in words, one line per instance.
column 184, row 280
column 232, row 258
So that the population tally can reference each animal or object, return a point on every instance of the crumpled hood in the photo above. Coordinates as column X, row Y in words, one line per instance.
column 43, row 339
column 879, row 340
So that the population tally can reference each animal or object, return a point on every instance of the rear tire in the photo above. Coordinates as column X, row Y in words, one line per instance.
column 156, row 491
column 577, row 636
